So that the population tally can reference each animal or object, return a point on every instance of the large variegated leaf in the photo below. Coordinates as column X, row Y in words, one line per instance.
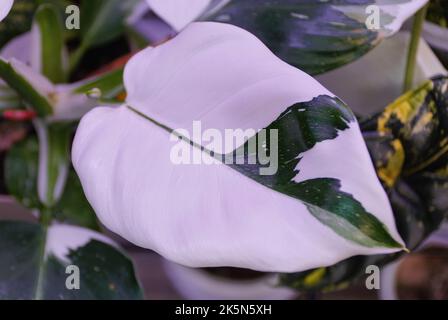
column 408, row 144
column 62, row 262
column 314, row 35
column 323, row 204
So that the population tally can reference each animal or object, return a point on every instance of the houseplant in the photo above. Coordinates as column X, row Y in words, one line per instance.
column 38, row 258
column 102, row 94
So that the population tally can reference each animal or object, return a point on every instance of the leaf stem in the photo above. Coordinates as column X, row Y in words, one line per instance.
column 45, row 220
column 53, row 162
column 417, row 27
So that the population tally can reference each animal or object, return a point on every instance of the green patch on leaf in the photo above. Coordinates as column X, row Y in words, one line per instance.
column 343, row 214
column 300, row 128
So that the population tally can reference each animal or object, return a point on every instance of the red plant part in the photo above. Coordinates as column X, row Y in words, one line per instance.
column 116, row 64
column 19, row 115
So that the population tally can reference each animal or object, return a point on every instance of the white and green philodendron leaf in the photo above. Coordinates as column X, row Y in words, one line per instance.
column 313, row 35
column 62, row 262
column 324, row 202
column 5, row 7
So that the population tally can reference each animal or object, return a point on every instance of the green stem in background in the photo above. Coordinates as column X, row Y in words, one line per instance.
column 54, row 141
column 50, row 27
column 417, row 27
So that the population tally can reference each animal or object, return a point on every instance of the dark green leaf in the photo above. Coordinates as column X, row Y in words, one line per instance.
column 314, row 35
column 21, row 166
column 34, row 262
column 102, row 22
column 73, row 206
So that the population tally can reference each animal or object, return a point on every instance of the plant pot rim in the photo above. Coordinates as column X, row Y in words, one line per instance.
column 195, row 283
column 6, row 199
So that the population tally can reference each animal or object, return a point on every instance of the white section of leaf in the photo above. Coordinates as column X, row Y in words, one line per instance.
column 401, row 12
column 178, row 13
column 18, row 48
column 393, row 13
column 5, row 7
column 61, row 239
column 210, row 215
column 218, row 74
column 71, row 106
column 42, row 175
column 40, row 83
column 36, row 48
column 63, row 170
